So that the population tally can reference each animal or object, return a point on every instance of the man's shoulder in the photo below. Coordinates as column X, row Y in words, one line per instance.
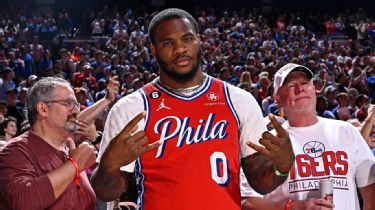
column 133, row 101
column 240, row 94
column 20, row 142
column 335, row 123
column 332, row 121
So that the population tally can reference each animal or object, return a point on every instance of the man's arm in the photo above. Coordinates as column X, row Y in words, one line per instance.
column 108, row 184
column 368, row 194
column 92, row 112
column 368, row 124
column 275, row 155
column 122, row 183
column 256, row 203
column 260, row 173
column 108, row 181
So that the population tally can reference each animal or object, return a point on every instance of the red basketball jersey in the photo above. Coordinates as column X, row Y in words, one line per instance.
column 197, row 164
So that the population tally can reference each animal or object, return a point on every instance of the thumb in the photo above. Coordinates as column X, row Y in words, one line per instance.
column 70, row 143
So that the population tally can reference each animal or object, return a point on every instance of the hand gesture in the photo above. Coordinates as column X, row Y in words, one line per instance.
column 278, row 149
column 88, row 130
column 312, row 204
column 128, row 145
column 84, row 154
column 369, row 137
column 371, row 112
column 112, row 88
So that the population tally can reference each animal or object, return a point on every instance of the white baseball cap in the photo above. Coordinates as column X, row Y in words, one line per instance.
column 284, row 71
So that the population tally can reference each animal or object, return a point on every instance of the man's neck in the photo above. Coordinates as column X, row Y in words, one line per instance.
column 53, row 138
column 302, row 120
column 170, row 82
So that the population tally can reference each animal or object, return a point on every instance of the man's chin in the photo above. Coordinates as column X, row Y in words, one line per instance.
column 71, row 127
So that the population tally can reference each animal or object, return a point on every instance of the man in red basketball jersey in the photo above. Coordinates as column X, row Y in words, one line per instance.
column 191, row 137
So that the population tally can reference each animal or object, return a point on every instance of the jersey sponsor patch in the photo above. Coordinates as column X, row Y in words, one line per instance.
column 212, row 96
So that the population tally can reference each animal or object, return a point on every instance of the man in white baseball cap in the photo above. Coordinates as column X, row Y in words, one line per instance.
column 284, row 71
column 324, row 149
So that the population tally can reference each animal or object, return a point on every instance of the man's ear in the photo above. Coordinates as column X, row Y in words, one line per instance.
column 42, row 109
column 278, row 100
column 153, row 50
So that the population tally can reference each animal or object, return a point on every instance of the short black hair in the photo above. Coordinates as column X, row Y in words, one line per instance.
column 169, row 14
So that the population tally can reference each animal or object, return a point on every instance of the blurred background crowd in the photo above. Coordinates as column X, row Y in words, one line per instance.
column 243, row 47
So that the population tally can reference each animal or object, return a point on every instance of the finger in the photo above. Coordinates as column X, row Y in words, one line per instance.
column 81, row 130
column 114, row 78
column 70, row 143
column 140, row 142
column 131, row 126
column 323, row 202
column 82, row 123
column 268, row 144
column 269, row 136
column 149, row 147
column 114, row 81
column 258, row 148
column 134, row 138
column 279, row 129
column 84, row 143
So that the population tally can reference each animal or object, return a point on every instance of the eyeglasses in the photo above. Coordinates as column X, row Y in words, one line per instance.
column 70, row 104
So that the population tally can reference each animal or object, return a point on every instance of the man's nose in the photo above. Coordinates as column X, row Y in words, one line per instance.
column 300, row 88
column 180, row 47
column 76, row 109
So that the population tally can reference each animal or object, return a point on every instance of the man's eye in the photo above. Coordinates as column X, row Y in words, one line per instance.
column 188, row 39
column 167, row 44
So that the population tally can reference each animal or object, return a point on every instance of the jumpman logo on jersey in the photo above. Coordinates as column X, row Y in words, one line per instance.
column 162, row 105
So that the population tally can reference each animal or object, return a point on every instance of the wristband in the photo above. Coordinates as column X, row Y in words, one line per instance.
column 288, row 205
column 76, row 180
column 278, row 173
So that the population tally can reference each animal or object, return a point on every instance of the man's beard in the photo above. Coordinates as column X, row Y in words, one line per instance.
column 71, row 125
column 174, row 74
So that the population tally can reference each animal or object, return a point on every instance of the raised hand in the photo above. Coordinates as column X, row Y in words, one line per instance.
column 312, row 204
column 278, row 149
column 88, row 130
column 84, row 154
column 112, row 88
column 128, row 145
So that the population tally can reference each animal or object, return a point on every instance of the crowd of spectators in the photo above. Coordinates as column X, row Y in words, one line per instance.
column 244, row 48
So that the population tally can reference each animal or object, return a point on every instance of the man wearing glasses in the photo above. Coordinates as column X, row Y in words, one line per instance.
column 42, row 168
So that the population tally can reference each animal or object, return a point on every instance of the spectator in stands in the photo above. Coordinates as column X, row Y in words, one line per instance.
column 87, row 73
column 330, row 93
column 37, row 51
column 12, row 108
column 42, row 168
column 8, row 129
column 7, row 82
column 46, row 65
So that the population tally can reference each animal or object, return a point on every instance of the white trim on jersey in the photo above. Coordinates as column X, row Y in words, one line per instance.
column 140, row 179
column 146, row 105
column 200, row 92
column 228, row 99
